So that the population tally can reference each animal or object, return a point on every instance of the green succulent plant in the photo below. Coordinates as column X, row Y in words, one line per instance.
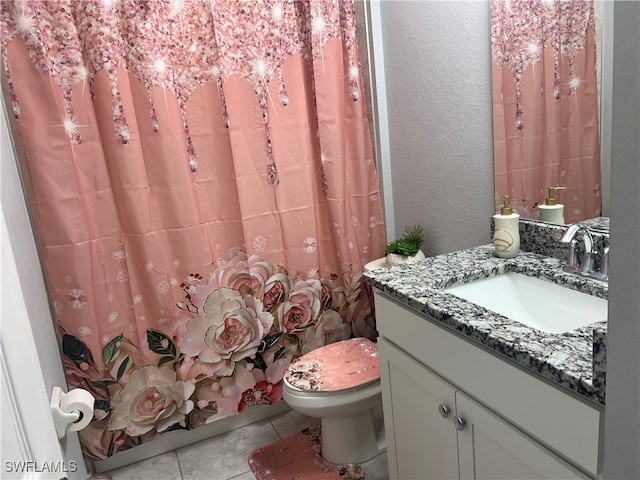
column 409, row 243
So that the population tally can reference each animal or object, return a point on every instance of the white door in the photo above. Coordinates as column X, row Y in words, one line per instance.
column 30, row 360
column 491, row 449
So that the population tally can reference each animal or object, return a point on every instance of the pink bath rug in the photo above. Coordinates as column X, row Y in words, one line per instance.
column 299, row 457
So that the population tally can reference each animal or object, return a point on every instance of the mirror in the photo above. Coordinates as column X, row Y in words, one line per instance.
column 596, row 224
column 551, row 76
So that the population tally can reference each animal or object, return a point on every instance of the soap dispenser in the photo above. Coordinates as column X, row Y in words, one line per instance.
column 506, row 238
column 552, row 211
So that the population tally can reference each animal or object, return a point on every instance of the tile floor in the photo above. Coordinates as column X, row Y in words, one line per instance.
column 224, row 457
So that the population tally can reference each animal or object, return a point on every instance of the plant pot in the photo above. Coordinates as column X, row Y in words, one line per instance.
column 376, row 264
column 396, row 259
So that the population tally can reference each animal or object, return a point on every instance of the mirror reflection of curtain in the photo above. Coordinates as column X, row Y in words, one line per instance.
column 205, row 195
column 545, row 105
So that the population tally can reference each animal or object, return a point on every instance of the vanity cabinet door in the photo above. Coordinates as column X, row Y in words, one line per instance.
column 491, row 448
column 418, row 410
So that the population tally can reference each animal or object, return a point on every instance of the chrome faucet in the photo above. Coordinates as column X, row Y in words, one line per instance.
column 585, row 268
column 569, row 237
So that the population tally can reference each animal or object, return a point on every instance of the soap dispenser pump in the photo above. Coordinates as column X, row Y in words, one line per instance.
column 552, row 211
column 506, row 238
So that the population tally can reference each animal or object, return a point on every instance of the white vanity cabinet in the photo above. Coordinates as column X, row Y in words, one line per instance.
column 454, row 410
column 420, row 443
column 491, row 448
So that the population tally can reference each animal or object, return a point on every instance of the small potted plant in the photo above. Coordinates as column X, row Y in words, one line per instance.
column 406, row 249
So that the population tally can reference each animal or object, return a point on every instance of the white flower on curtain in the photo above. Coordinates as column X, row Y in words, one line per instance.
column 154, row 399
column 259, row 243
column 230, row 328
column 77, row 298
column 309, row 245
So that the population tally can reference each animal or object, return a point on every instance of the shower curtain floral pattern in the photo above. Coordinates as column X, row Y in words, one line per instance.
column 204, row 191
column 545, row 105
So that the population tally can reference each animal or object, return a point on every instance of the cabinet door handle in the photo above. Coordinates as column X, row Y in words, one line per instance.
column 444, row 410
column 460, row 423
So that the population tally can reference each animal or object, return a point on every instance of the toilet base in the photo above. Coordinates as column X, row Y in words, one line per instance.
column 350, row 439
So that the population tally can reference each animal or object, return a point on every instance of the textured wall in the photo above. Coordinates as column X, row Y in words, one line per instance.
column 622, row 417
column 438, row 79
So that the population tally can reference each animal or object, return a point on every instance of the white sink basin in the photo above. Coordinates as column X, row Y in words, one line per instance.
column 533, row 302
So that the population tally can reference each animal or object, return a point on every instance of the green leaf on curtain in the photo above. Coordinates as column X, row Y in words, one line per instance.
column 74, row 348
column 293, row 338
column 175, row 426
column 155, row 340
column 164, row 360
column 103, row 383
column 258, row 362
column 126, row 363
column 101, row 405
column 269, row 341
column 279, row 354
column 111, row 351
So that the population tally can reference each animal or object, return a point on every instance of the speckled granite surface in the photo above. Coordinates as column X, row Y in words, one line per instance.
column 566, row 358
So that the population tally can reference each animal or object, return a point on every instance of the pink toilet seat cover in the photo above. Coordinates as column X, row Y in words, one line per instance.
column 337, row 366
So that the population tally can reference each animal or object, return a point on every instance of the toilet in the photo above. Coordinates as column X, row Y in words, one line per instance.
column 340, row 384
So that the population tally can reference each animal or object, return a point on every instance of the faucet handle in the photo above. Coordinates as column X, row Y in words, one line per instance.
column 586, row 267
column 572, row 256
column 603, row 274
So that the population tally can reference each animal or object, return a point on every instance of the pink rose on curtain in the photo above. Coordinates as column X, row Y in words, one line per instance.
column 229, row 329
column 152, row 399
column 246, row 274
column 241, row 272
column 332, row 296
column 252, row 386
column 302, row 307
column 276, row 290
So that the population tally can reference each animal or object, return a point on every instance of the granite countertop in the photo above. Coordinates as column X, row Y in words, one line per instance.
column 573, row 360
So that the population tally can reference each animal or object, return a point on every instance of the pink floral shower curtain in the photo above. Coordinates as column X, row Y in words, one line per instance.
column 204, row 192
column 545, row 105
